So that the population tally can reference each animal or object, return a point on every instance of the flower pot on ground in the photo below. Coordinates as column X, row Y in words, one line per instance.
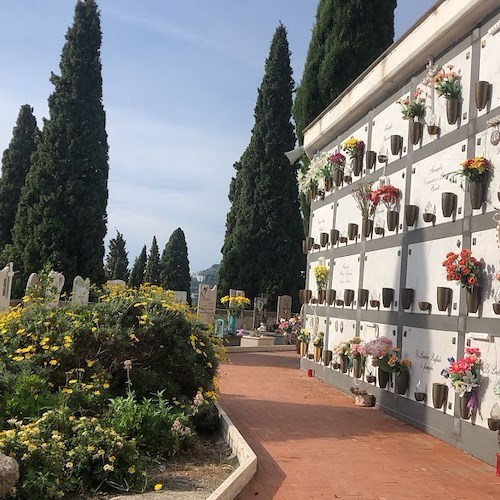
column 330, row 296
column 323, row 239
column 365, row 400
column 428, row 217
column 387, row 296
column 452, row 110
column 366, row 227
column 396, row 144
column 411, row 212
column 392, row 219
column 327, row 357
column 402, row 381
column 481, row 94
column 362, row 297
column 463, row 408
column 352, row 231
column 439, row 394
column 348, row 297
column 371, row 159
column 416, row 131
column 358, row 365
column 344, row 363
column 334, row 236
column 383, row 378
column 473, row 299
column 476, row 194
column 448, row 203
column 406, row 297
column 443, row 297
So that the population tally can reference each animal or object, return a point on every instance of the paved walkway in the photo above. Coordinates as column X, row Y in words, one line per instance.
column 312, row 442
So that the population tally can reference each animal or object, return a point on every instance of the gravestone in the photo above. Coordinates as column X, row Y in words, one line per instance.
column 80, row 293
column 236, row 293
column 284, row 310
column 33, row 282
column 259, row 311
column 6, row 275
column 207, row 299
column 114, row 284
column 54, row 288
column 180, row 296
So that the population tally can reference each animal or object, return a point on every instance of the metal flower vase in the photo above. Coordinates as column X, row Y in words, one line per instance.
column 443, row 297
column 383, row 378
column 481, row 94
column 476, row 194
column 357, row 367
column 416, row 132
column 402, row 381
column 473, row 299
column 392, row 219
column 452, row 110
column 439, row 394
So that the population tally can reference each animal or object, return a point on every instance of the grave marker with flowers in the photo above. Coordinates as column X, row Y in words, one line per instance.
column 355, row 148
column 447, row 84
column 389, row 196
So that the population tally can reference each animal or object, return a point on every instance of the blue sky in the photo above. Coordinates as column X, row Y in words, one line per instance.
column 180, row 83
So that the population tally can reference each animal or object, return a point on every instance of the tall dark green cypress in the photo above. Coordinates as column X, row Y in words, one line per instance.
column 117, row 259
column 62, row 211
column 262, row 246
column 175, row 264
column 152, row 272
column 138, row 269
column 16, row 163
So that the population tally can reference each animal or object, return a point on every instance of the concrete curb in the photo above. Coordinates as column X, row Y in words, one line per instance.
column 269, row 348
column 247, row 459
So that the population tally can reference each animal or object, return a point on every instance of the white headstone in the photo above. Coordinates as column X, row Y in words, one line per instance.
column 6, row 275
column 207, row 299
column 54, row 288
column 180, row 296
column 284, row 309
column 81, row 289
column 32, row 282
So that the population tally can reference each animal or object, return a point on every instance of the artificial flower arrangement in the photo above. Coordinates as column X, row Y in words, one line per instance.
column 290, row 327
column 303, row 336
column 463, row 267
column 412, row 109
column 321, row 275
column 447, row 83
column 464, row 374
column 310, row 176
column 388, row 195
column 385, row 355
column 357, row 349
column 342, row 349
column 235, row 305
column 363, row 195
column 353, row 147
column 336, row 162
column 473, row 169
column 318, row 340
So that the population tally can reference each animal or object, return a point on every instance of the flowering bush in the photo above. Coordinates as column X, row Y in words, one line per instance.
column 235, row 305
column 473, row 169
column 447, row 83
column 336, row 161
column 364, row 199
column 321, row 275
column 388, row 195
column 353, row 147
column 463, row 267
column 464, row 374
column 413, row 108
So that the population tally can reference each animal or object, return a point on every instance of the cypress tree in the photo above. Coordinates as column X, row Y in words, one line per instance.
column 15, row 166
column 62, row 210
column 175, row 264
column 152, row 272
column 138, row 269
column 117, row 259
column 262, row 247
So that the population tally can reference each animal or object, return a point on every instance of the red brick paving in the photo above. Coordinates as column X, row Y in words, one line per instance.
column 312, row 442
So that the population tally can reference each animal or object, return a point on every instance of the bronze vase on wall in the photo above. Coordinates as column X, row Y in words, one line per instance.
column 452, row 110
column 392, row 220
column 439, row 394
column 481, row 94
column 367, row 227
column 416, row 131
column 396, row 144
column 411, row 212
column 473, row 298
column 371, row 159
column 448, row 201
column 476, row 194
column 406, row 297
column 443, row 297
column 383, row 378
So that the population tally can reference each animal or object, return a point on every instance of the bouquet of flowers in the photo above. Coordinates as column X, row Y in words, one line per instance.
column 413, row 109
column 336, row 161
column 309, row 177
column 357, row 349
column 388, row 195
column 235, row 305
column 290, row 327
column 464, row 374
column 321, row 275
column 447, row 83
column 364, row 199
column 463, row 267
column 385, row 356
column 473, row 169
column 319, row 339
column 343, row 348
column 353, row 147
column 303, row 336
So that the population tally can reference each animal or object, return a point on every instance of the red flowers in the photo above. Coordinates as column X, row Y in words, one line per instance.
column 462, row 267
column 388, row 195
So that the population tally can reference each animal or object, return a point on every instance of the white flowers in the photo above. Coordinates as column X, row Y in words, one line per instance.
column 314, row 173
column 179, row 429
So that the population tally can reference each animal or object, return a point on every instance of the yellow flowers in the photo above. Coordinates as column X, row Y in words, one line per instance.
column 321, row 275
column 158, row 486
column 131, row 470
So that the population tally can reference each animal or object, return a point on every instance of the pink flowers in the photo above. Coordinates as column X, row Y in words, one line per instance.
column 357, row 351
column 337, row 159
column 379, row 347
column 388, row 195
column 464, row 373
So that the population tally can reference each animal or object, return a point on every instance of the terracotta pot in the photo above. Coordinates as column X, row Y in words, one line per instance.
column 428, row 217
column 344, row 363
column 387, row 296
column 337, row 177
column 402, row 382
column 416, row 131
column 448, row 203
column 303, row 349
column 473, row 299
column 443, row 297
column 432, row 130
column 366, row 227
column 496, row 307
column 323, row 239
column 317, row 354
column 352, row 231
column 348, row 297
column 362, row 297
column 392, row 220
column 464, row 401
column 371, row 379
column 411, row 212
column 452, row 110
column 406, row 297
column 439, row 394
column 331, row 295
column 357, row 367
column 357, row 165
column 371, row 159
column 334, row 236
column 327, row 357
column 328, row 183
column 420, row 396
column 476, row 194
column 383, row 378
column 321, row 296
column 396, row 144
column 424, row 306
column 481, row 93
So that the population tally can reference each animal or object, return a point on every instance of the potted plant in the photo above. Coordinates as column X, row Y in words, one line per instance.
column 389, row 196
column 358, row 356
column 321, row 275
column 447, row 85
column 235, row 307
column 303, row 337
column 318, row 345
column 467, row 270
column 475, row 171
column 342, row 351
column 355, row 148
column 335, row 168
column 413, row 110
column 367, row 205
column 464, row 376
